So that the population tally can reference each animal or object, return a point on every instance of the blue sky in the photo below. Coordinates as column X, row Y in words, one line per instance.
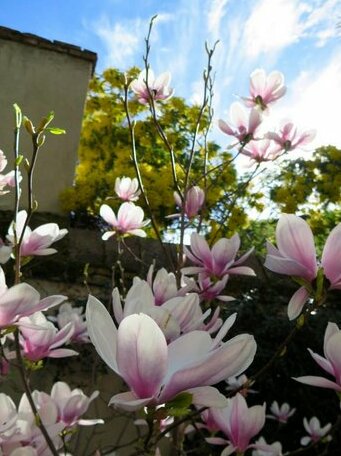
column 298, row 37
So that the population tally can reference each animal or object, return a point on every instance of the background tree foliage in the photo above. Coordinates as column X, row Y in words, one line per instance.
column 310, row 186
column 105, row 153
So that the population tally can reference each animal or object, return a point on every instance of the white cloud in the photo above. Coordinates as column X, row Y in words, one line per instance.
column 121, row 39
column 272, row 26
column 216, row 13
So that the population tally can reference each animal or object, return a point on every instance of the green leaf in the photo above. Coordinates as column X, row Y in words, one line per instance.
column 18, row 115
column 18, row 160
column 179, row 406
column 56, row 131
column 45, row 121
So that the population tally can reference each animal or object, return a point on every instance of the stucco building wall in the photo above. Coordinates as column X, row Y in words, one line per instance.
column 43, row 76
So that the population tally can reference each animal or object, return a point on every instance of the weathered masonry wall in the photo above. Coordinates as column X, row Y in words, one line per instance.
column 42, row 76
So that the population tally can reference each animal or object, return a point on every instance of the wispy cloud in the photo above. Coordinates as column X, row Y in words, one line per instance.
column 122, row 40
column 314, row 101
column 272, row 26
column 215, row 14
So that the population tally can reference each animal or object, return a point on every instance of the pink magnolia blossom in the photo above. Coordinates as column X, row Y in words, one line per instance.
column 129, row 220
column 210, row 289
column 6, row 179
column 71, row 404
column 68, row 314
column 243, row 125
column 8, row 417
column 194, row 200
column 261, row 150
column 218, row 261
column 295, row 256
column 146, row 87
column 235, row 383
column 163, row 285
column 264, row 89
column 127, row 189
column 156, row 372
column 281, row 413
column 289, row 138
column 331, row 363
column 316, row 433
column 266, row 449
column 239, row 423
column 175, row 316
column 38, row 241
column 41, row 339
column 20, row 301
column 28, row 434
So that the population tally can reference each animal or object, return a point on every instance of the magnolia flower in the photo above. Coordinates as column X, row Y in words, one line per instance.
column 331, row 363
column 6, row 179
column 313, row 427
column 261, row 150
column 41, row 339
column 129, row 220
column 289, row 138
column 28, row 433
column 163, row 285
column 175, row 316
column 264, row 89
column 296, row 256
column 146, row 86
column 266, row 449
column 239, row 423
column 236, row 383
column 71, row 404
column 194, row 200
column 218, row 261
column 244, row 124
column 210, row 289
column 38, row 241
column 127, row 189
column 20, row 301
column 281, row 413
column 8, row 417
column 156, row 372
column 68, row 314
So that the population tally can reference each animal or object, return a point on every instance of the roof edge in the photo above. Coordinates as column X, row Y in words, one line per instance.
column 43, row 43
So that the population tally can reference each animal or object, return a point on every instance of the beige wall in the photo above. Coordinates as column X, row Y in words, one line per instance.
column 41, row 80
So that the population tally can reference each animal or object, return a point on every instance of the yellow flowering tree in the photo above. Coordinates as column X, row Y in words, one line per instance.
column 105, row 153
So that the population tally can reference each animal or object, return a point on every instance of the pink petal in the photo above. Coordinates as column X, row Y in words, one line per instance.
column 318, row 381
column 102, row 332
column 207, row 396
column 296, row 303
column 331, row 255
column 286, row 266
column 128, row 401
column 108, row 215
column 333, row 354
column 295, row 241
column 141, row 354
column 229, row 360
column 322, row 362
column 61, row 353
